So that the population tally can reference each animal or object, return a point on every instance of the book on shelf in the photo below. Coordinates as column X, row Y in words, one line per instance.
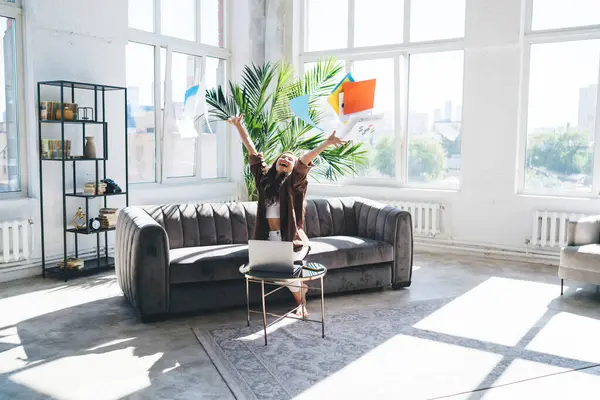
column 72, row 263
column 108, row 217
column 90, row 189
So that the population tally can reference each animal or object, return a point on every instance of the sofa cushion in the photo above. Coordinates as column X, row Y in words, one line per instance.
column 207, row 263
column 586, row 257
column 222, row 262
column 347, row 251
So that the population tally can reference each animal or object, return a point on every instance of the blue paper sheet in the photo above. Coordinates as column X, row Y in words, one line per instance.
column 299, row 106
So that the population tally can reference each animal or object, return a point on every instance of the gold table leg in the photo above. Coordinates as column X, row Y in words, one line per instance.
column 322, row 310
column 248, row 301
column 262, row 286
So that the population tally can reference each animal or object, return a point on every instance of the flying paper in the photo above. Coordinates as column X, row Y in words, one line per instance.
column 194, row 104
column 359, row 96
column 362, row 132
column 299, row 106
column 333, row 99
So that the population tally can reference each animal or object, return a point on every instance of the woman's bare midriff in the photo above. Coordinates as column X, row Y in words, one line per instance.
column 274, row 224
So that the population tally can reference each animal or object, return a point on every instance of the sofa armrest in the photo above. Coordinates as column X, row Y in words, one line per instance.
column 142, row 262
column 391, row 225
column 584, row 231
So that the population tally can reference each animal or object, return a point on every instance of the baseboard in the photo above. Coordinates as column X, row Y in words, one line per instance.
column 440, row 247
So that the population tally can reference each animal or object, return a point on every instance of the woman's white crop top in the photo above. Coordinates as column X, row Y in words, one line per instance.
column 273, row 210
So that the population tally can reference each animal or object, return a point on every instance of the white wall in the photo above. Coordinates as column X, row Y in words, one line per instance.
column 486, row 210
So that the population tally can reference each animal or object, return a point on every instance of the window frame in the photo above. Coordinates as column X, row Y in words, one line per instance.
column 530, row 37
column 195, row 48
column 15, row 11
column 400, row 53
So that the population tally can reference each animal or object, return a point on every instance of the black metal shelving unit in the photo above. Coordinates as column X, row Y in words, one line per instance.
column 100, row 262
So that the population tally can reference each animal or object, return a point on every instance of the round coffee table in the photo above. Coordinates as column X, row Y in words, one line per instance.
column 308, row 272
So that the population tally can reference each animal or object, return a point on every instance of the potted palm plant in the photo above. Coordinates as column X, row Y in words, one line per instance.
column 263, row 98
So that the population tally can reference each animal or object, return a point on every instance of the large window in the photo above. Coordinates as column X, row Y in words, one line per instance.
column 560, row 128
column 414, row 49
column 174, row 48
column 11, row 148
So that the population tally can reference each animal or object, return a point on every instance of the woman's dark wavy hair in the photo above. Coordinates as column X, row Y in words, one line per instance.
column 271, row 182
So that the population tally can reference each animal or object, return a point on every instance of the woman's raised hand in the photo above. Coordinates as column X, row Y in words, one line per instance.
column 236, row 120
column 335, row 141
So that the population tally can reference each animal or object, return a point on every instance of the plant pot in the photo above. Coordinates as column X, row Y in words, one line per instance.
column 90, row 147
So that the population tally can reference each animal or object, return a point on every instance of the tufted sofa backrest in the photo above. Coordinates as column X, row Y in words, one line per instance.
column 191, row 225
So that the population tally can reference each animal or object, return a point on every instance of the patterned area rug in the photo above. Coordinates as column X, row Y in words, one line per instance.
column 390, row 353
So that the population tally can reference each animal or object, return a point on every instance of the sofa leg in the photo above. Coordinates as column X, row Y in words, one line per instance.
column 561, row 286
column 400, row 285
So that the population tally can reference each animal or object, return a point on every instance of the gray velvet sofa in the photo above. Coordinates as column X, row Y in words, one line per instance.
column 173, row 259
column 580, row 258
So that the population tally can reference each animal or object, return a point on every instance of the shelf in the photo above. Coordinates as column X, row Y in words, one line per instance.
column 85, row 232
column 91, row 196
column 73, row 159
column 81, row 85
column 79, row 121
column 89, row 267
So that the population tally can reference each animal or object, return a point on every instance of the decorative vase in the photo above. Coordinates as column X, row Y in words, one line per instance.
column 90, row 147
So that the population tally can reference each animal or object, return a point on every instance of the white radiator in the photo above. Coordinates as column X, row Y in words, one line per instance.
column 549, row 228
column 16, row 240
column 427, row 218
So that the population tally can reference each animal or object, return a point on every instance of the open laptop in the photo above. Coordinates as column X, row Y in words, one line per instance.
column 269, row 256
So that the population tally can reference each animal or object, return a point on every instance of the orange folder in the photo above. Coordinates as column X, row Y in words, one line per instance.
column 359, row 96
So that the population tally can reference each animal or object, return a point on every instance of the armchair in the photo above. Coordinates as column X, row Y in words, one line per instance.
column 580, row 258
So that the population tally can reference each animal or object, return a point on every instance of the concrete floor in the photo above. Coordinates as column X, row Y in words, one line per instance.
column 81, row 339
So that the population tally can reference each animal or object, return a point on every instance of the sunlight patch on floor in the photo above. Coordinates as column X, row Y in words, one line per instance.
column 569, row 385
column 43, row 302
column 499, row 310
column 175, row 366
column 407, row 367
column 570, row 336
column 12, row 359
column 111, row 343
column 76, row 377
column 10, row 336
column 520, row 370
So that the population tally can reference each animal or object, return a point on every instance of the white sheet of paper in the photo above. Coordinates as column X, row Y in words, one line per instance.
column 357, row 118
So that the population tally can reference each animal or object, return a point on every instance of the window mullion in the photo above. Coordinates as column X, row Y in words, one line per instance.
column 351, row 11
column 523, row 112
column 528, row 16
column 198, row 19
column 402, row 96
column 199, row 124
column 406, row 22
column 167, row 142
column 158, row 130
column 596, row 165
column 157, row 16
